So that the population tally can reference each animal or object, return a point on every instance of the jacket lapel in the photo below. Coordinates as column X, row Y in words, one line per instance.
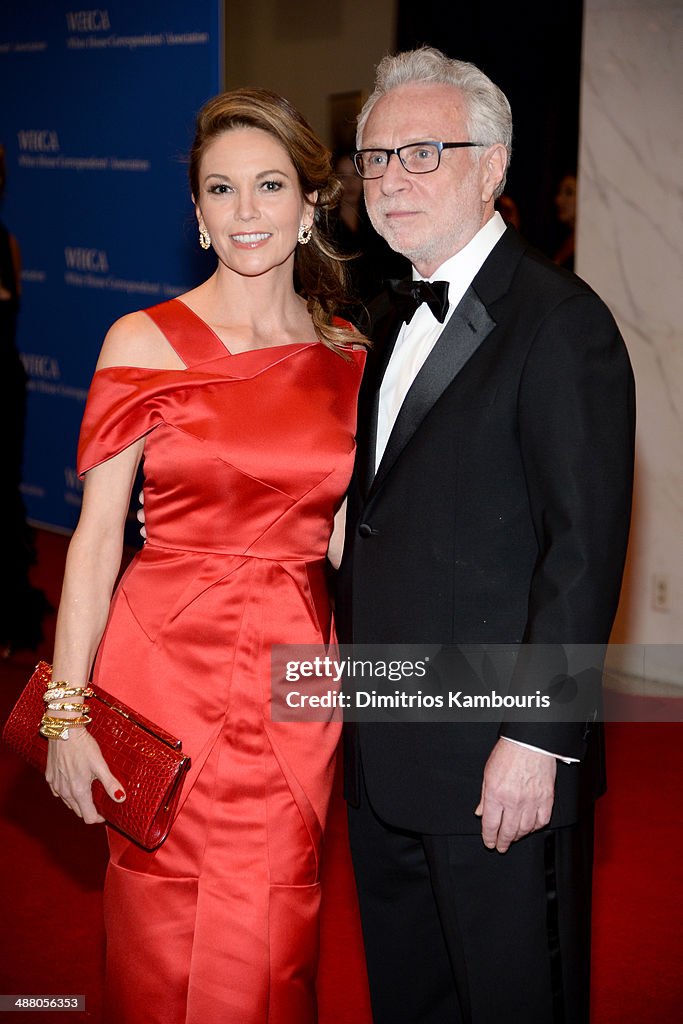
column 467, row 328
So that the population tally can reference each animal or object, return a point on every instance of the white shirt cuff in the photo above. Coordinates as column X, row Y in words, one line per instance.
column 539, row 750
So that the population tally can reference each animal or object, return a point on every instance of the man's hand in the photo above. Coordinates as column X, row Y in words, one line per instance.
column 516, row 795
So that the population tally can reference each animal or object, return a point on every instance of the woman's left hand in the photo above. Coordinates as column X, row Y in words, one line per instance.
column 72, row 765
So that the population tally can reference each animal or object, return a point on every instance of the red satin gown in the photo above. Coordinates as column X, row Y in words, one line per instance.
column 247, row 914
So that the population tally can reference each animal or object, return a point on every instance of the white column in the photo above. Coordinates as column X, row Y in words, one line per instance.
column 630, row 249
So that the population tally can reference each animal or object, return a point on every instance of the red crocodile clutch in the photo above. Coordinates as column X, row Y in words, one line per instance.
column 147, row 761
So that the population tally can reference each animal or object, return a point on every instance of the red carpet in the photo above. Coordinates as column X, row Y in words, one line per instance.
column 52, row 868
column 638, row 908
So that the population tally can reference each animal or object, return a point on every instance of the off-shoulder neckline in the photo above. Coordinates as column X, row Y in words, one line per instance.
column 224, row 353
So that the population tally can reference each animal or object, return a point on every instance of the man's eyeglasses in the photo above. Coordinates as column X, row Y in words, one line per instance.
column 417, row 157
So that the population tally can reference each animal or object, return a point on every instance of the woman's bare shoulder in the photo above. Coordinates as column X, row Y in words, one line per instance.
column 135, row 340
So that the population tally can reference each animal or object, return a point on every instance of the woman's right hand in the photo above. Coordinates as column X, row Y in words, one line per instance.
column 72, row 765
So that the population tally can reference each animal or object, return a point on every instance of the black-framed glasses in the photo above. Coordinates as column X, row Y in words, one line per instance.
column 416, row 157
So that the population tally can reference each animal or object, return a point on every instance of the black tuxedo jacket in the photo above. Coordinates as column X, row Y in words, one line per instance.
column 499, row 514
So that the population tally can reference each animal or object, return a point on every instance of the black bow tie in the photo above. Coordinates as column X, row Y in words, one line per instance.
column 408, row 295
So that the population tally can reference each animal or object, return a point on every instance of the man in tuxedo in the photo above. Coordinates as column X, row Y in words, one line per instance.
column 490, row 505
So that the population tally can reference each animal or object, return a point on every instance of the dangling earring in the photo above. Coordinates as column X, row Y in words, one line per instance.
column 204, row 238
column 304, row 235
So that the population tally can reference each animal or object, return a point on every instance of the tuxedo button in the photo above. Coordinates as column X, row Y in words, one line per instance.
column 365, row 530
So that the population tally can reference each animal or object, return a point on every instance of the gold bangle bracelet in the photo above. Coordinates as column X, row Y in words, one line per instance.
column 59, row 728
column 67, row 691
column 55, row 734
column 65, row 705
column 56, row 722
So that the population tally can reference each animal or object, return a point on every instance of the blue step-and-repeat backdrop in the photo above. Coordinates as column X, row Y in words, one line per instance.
column 96, row 118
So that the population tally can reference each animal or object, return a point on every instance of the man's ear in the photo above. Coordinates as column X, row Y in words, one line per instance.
column 493, row 165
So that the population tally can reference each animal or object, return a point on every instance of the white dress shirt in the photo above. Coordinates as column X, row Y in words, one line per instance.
column 417, row 339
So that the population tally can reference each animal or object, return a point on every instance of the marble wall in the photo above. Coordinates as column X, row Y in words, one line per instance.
column 630, row 249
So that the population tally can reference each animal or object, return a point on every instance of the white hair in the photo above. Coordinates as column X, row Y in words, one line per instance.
column 489, row 118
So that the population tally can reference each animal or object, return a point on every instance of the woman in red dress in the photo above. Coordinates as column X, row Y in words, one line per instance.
column 241, row 397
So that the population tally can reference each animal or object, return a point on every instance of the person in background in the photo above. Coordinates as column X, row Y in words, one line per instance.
column 371, row 260
column 565, row 206
column 490, row 505
column 22, row 606
column 241, row 396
